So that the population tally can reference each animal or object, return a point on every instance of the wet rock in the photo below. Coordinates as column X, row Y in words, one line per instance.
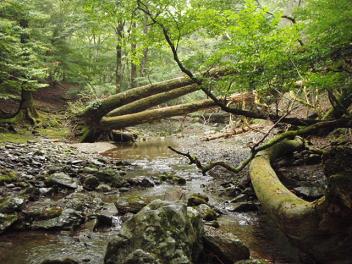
column 226, row 246
column 197, row 199
column 309, row 193
column 206, row 212
column 241, row 207
column 61, row 179
column 131, row 204
column 166, row 233
column 141, row 257
column 103, row 221
column 142, row 181
column 213, row 223
column 173, row 179
column 68, row 220
column 232, row 191
column 83, row 202
column 42, row 210
column 110, row 176
column 7, row 176
column 252, row 261
column 90, row 182
column 103, row 188
column 11, row 204
column 60, row 261
column 6, row 221
column 124, row 189
column 119, row 136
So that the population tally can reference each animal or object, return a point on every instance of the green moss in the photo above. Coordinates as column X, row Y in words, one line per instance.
column 7, row 177
column 20, row 137
column 55, row 133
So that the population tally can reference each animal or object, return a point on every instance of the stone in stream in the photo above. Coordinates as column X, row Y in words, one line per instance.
column 68, row 220
column 90, row 182
column 162, row 232
column 60, row 261
column 119, row 136
column 62, row 180
column 241, row 207
column 225, row 246
column 197, row 199
column 252, row 261
column 206, row 212
column 6, row 221
column 11, row 204
column 130, row 204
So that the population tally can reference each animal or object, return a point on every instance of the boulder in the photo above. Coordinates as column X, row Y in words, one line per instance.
column 90, row 182
column 60, row 261
column 225, row 246
column 130, row 204
column 6, row 221
column 61, row 179
column 197, row 199
column 120, row 137
column 68, row 220
column 206, row 212
column 162, row 232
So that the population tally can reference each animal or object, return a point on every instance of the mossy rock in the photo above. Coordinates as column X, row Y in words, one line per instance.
column 6, row 221
column 8, row 177
column 197, row 199
column 206, row 212
column 173, row 179
column 131, row 204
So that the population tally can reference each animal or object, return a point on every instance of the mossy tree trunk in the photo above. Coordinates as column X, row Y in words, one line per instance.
column 323, row 228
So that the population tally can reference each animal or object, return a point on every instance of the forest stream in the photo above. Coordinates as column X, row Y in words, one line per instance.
column 151, row 159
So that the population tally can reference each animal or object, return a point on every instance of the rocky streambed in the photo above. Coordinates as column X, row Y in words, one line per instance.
column 68, row 201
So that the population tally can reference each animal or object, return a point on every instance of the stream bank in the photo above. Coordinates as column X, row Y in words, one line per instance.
column 83, row 213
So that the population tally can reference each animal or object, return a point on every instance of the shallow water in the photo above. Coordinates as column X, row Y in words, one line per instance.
column 149, row 158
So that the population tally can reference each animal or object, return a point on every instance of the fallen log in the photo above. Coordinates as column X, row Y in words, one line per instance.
column 123, row 121
column 322, row 229
column 97, row 110
column 151, row 101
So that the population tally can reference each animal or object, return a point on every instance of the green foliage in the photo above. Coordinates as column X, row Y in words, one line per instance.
column 22, row 64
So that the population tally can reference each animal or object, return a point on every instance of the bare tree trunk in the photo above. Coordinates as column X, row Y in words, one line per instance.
column 151, row 101
column 96, row 111
column 118, row 70
column 123, row 121
column 133, row 65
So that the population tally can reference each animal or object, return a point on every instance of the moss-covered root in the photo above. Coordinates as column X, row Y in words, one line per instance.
column 322, row 229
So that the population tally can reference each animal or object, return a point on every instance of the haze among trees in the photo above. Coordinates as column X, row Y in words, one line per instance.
column 130, row 62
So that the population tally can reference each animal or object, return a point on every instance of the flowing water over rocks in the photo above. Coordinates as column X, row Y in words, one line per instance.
column 72, row 202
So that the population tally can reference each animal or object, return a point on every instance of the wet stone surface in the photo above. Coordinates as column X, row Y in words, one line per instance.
column 72, row 203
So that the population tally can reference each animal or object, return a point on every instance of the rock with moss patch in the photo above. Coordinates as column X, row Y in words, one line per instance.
column 206, row 212
column 166, row 233
column 7, row 176
column 197, row 199
column 252, row 261
column 68, row 220
column 61, row 179
column 6, row 221
column 11, row 204
column 225, row 246
column 90, row 182
column 60, row 261
column 130, row 204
